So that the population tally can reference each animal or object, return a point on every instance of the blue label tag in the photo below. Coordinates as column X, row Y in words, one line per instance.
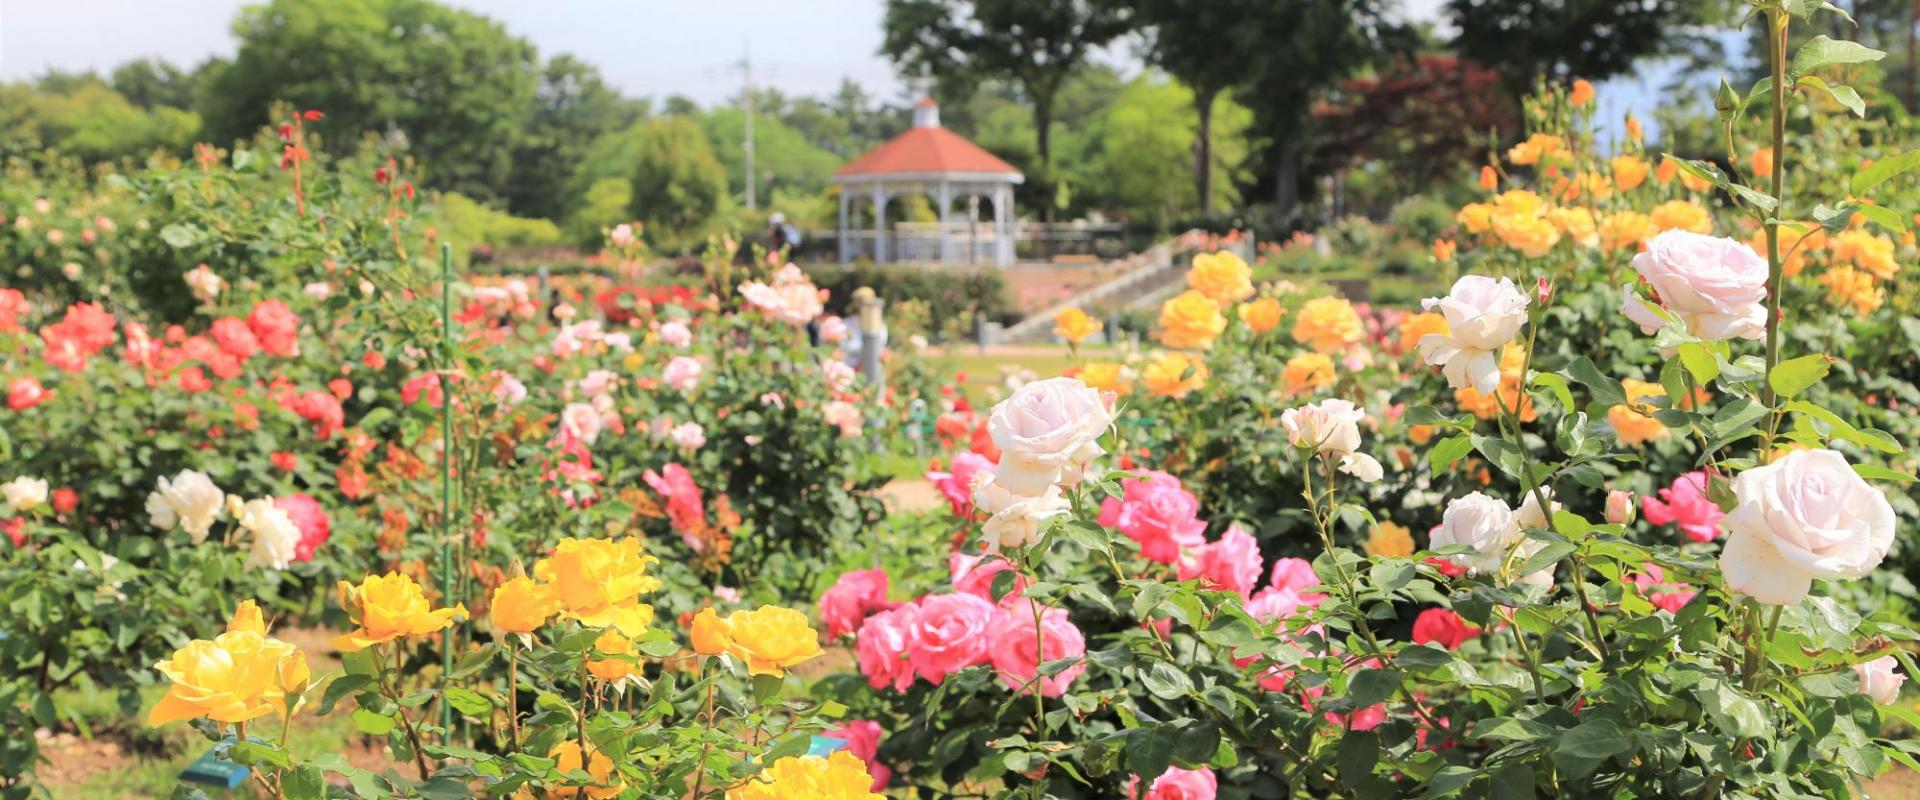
column 211, row 769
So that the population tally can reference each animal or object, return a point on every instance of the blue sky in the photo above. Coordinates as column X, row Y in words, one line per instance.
column 647, row 48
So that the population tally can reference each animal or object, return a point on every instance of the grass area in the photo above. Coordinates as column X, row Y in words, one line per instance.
column 987, row 371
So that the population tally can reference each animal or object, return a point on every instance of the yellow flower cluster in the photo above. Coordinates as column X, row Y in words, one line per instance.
column 1328, row 324
column 1307, row 372
column 1174, row 375
column 1107, row 376
column 1847, row 286
column 1389, row 540
column 1629, row 171
column 598, row 582
column 1261, row 315
column 1222, row 276
column 566, row 757
column 1190, row 321
column 1683, row 214
column 769, row 639
column 239, row 676
column 1538, row 148
column 388, row 607
column 1798, row 241
column 1517, row 217
column 1634, row 422
column 840, row 776
column 1867, row 251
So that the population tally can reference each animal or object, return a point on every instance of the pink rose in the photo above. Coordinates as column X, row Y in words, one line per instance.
column 949, row 633
column 25, row 393
column 882, row 647
column 276, row 327
column 974, row 575
column 1685, row 504
column 686, row 504
column 1715, row 285
column 956, row 484
column 1442, row 627
column 833, row 330
column 1156, row 512
column 1232, row 563
column 855, row 595
column 1018, row 651
column 1806, row 516
column 1177, row 784
column 863, row 741
column 1619, row 507
column 676, row 334
column 1669, row 597
column 1297, row 575
column 683, row 373
column 581, row 422
column 311, row 519
column 234, row 338
column 1047, row 431
column 689, row 435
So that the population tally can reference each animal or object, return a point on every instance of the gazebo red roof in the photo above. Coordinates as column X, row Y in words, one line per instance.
column 927, row 150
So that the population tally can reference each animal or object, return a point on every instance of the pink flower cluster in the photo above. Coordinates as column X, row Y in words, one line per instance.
column 1685, row 505
column 940, row 634
column 1158, row 513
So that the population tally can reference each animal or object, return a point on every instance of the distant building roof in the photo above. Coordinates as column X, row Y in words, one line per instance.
column 927, row 149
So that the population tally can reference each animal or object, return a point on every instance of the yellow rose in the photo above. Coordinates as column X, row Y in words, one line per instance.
column 1847, row 286
column 1582, row 93
column 1420, row 434
column 1190, row 321
column 247, row 619
column 1634, row 423
column 1629, row 172
column 1421, row 324
column 1475, row 217
column 1107, row 376
column 208, row 680
column 1222, row 277
column 1261, row 315
column 709, row 633
column 1865, row 250
column 388, row 607
column 1388, row 540
column 566, row 756
column 1537, row 148
column 840, row 776
column 1589, row 183
column 771, row 639
column 1444, row 249
column 1074, row 325
column 1531, row 234
column 521, row 606
column 1308, row 372
column 1328, row 324
column 1174, row 375
column 1683, row 214
column 612, row 670
column 1762, row 163
column 1576, row 223
column 1626, row 230
column 599, row 582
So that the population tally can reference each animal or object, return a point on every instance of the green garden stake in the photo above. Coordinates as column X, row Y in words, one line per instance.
column 446, row 464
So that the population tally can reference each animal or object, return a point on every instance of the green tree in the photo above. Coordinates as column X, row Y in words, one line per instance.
column 456, row 84
column 150, row 83
column 573, row 107
column 1142, row 141
column 679, row 187
column 1034, row 44
column 92, row 122
column 782, row 157
column 1565, row 39
column 1201, row 43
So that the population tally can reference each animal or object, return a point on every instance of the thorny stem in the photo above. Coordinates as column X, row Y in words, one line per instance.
column 1776, row 57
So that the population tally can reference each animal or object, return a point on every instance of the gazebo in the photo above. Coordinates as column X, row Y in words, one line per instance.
column 942, row 165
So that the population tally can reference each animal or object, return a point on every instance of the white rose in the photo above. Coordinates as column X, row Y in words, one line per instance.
column 1879, row 681
column 1805, row 516
column 24, row 493
column 275, row 536
column 191, row 500
column 1018, row 523
column 1046, row 431
column 1329, row 426
column 1482, row 523
column 1362, row 466
column 582, row 421
column 1715, row 285
column 1482, row 316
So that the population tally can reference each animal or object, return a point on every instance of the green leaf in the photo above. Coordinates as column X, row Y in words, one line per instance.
column 1593, row 739
column 1795, row 375
column 1606, row 390
column 372, row 723
column 1842, row 94
column 1166, row 681
column 1700, row 362
column 468, row 702
column 1356, row 755
column 1884, row 217
column 1868, row 437
column 305, row 783
column 1370, row 686
column 1448, row 450
column 1821, row 51
column 1879, row 172
column 1875, row 472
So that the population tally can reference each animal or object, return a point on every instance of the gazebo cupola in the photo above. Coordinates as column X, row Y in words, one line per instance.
column 942, row 165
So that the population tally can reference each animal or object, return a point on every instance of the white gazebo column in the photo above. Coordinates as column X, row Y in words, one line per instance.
column 973, row 227
column 1003, row 225
column 846, row 252
column 879, row 224
column 946, row 240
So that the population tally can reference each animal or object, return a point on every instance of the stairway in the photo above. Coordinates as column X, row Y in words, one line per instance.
column 1147, row 279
